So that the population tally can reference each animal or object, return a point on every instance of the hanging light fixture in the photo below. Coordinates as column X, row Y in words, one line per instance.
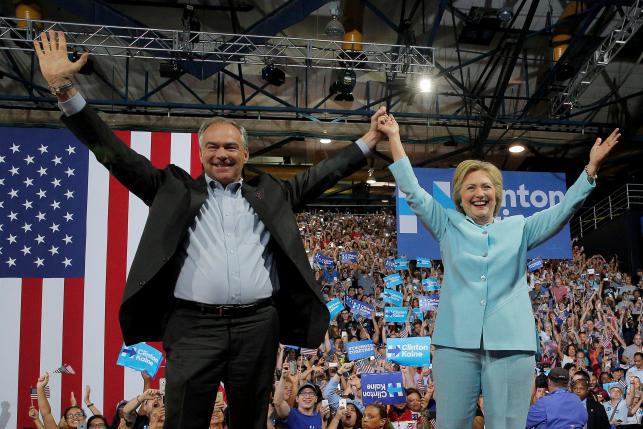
column 371, row 178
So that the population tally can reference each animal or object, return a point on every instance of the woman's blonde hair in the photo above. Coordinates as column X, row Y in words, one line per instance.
column 469, row 166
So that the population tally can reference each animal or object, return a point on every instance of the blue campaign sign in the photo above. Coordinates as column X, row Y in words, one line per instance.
column 348, row 257
column 535, row 264
column 423, row 262
column 389, row 264
column 335, row 307
column 140, row 357
column 393, row 280
column 393, row 297
column 322, row 260
column 360, row 349
column 525, row 193
column 431, row 284
column 395, row 314
column 429, row 302
column 401, row 264
column 360, row 308
column 386, row 388
column 411, row 351
column 418, row 314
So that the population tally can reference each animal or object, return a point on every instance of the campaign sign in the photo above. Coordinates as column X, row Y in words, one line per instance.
column 402, row 264
column 322, row 260
column 393, row 280
column 385, row 388
column 423, row 263
column 393, row 297
column 535, row 264
column 360, row 349
column 431, row 284
column 360, row 308
column 140, row 357
column 334, row 307
column 389, row 264
column 525, row 193
column 418, row 314
column 395, row 314
column 429, row 302
column 348, row 257
column 411, row 351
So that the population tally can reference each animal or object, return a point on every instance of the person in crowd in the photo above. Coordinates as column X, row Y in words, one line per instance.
column 72, row 416
column 307, row 414
column 481, row 351
column 97, row 422
column 637, row 369
column 197, row 229
column 347, row 418
column 558, row 409
column 375, row 417
column 138, row 410
column 596, row 415
column 616, row 408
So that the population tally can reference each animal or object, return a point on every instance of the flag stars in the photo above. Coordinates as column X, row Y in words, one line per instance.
column 53, row 250
column 11, row 262
column 14, row 170
column 28, row 182
column 55, row 182
column 67, row 262
column 70, row 149
column 39, row 262
column 40, row 216
column 42, row 171
column 69, row 217
column 2, row 182
column 69, row 194
column 26, row 227
column 2, row 158
column 27, row 204
column 40, row 239
column 13, row 193
column 13, row 216
column 67, row 239
column 12, row 239
column 15, row 148
column 41, row 194
column 29, row 159
column 69, row 172
column 25, row 250
column 54, row 227
column 57, row 160
column 55, row 205
column 43, row 149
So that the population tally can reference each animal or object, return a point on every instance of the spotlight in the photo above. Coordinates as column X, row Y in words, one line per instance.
column 325, row 140
column 425, row 85
column 505, row 14
column 88, row 68
column 170, row 69
column 371, row 178
column 273, row 75
column 516, row 148
column 344, row 86
column 334, row 26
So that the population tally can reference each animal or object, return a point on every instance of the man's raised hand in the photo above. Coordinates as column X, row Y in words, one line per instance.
column 55, row 66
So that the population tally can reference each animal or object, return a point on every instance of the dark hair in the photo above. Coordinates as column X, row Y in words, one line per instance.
column 583, row 374
column 97, row 417
column 541, row 381
column 381, row 410
column 639, row 354
column 358, row 420
column 411, row 390
column 582, row 381
column 72, row 407
column 569, row 365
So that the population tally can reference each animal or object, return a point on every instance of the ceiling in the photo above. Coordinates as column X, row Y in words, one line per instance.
column 485, row 96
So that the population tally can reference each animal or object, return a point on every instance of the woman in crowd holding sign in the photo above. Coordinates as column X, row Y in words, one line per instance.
column 485, row 335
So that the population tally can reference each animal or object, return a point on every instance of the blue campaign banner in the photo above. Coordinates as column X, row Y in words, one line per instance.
column 395, row 314
column 401, row 264
column 335, row 307
column 393, row 297
column 360, row 349
column 431, row 284
column 389, row 264
column 393, row 280
column 140, row 357
column 386, row 388
column 348, row 257
column 525, row 193
column 360, row 308
column 418, row 314
column 322, row 260
column 535, row 264
column 423, row 262
column 411, row 351
column 429, row 302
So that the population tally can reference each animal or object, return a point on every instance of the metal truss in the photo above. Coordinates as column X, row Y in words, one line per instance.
column 223, row 48
column 613, row 43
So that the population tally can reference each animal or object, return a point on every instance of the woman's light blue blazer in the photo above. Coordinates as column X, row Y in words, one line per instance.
column 484, row 292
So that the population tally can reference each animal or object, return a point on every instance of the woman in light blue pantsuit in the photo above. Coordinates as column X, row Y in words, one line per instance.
column 484, row 334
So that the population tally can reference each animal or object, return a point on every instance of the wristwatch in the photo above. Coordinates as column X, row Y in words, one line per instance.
column 592, row 178
column 62, row 89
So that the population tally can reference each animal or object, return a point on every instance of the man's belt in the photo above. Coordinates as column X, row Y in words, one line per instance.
column 225, row 310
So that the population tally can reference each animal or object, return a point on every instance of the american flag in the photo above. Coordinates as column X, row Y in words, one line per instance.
column 308, row 352
column 65, row 369
column 33, row 393
column 364, row 366
column 53, row 311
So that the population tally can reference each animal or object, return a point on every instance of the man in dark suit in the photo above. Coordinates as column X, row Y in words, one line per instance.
column 596, row 415
column 220, row 274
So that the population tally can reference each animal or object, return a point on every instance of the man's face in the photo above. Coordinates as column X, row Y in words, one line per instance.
column 306, row 399
column 222, row 153
column 581, row 390
column 638, row 340
column 638, row 361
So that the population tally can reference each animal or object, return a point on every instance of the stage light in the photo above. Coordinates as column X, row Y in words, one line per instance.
column 273, row 75
column 170, row 70
column 505, row 14
column 425, row 85
column 344, row 86
column 325, row 140
column 517, row 148
column 334, row 26
column 371, row 178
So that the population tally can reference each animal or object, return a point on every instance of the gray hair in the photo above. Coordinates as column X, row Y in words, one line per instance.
column 221, row 120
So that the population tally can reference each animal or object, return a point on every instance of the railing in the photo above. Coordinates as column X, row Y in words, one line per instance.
column 620, row 201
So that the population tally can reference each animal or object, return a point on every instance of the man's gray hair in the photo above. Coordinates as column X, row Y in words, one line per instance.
column 221, row 120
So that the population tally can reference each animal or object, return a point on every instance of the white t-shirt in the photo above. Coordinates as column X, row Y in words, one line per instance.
column 619, row 414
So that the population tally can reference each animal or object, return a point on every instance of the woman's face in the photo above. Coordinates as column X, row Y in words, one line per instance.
column 414, row 402
column 74, row 416
column 350, row 418
column 478, row 197
column 372, row 419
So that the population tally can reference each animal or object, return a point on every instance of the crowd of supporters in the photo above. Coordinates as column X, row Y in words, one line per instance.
column 587, row 315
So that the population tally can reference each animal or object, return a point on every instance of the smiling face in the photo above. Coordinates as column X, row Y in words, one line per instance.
column 306, row 399
column 478, row 195
column 223, row 154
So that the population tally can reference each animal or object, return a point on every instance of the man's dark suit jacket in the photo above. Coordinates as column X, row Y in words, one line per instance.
column 175, row 198
column 596, row 416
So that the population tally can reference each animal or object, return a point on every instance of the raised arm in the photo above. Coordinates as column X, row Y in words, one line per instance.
column 43, row 404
